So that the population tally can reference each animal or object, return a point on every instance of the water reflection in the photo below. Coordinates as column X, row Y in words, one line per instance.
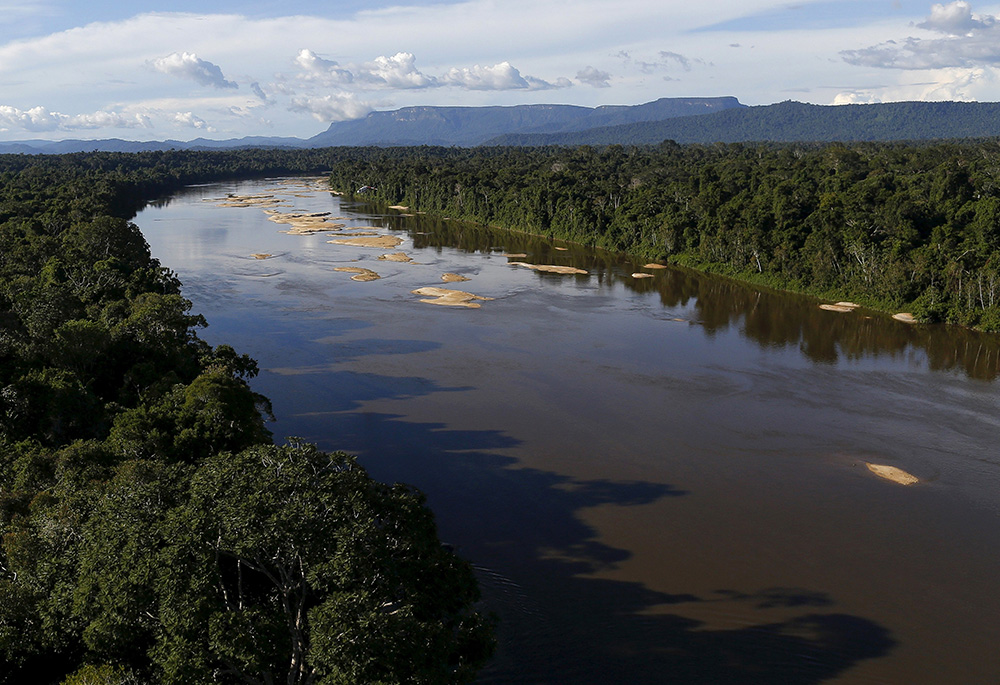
column 767, row 318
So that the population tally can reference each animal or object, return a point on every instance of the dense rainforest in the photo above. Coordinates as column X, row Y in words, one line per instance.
column 150, row 530
column 894, row 226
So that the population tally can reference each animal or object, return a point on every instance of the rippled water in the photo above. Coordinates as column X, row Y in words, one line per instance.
column 658, row 480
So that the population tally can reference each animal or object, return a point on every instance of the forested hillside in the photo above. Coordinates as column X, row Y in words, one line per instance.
column 151, row 531
column 788, row 122
column 891, row 225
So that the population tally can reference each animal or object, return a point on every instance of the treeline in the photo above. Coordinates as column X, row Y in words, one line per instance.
column 149, row 529
column 893, row 226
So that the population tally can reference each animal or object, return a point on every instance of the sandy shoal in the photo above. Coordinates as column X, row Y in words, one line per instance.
column 514, row 255
column 261, row 255
column 382, row 241
column 651, row 265
column 905, row 317
column 396, row 257
column 836, row 308
column 551, row 268
column 641, row 275
column 453, row 278
column 892, row 473
column 448, row 297
column 360, row 274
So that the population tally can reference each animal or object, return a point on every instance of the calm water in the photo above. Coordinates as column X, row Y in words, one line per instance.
column 659, row 480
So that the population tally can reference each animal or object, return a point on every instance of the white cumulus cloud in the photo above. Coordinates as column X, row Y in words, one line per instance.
column 502, row 76
column 188, row 65
column 39, row 119
column 955, row 19
column 329, row 108
column 594, row 77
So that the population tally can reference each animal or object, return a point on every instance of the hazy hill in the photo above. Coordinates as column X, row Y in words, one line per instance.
column 794, row 122
column 467, row 126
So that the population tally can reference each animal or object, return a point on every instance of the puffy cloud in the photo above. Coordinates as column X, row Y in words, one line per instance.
column 955, row 19
column 329, row 108
column 40, row 119
column 188, row 65
column 594, row 77
column 500, row 76
column 191, row 120
column 971, row 42
column 944, row 84
column 398, row 71
column 315, row 68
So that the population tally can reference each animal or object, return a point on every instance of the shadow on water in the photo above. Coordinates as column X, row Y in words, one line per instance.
column 534, row 555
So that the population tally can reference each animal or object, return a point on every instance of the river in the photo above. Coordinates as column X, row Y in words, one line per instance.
column 658, row 479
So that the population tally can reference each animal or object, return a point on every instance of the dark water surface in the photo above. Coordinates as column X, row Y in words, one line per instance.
column 659, row 480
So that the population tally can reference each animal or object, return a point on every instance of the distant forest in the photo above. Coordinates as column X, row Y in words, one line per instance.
column 791, row 122
column 894, row 226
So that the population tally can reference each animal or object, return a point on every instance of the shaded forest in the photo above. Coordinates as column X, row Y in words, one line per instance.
column 149, row 529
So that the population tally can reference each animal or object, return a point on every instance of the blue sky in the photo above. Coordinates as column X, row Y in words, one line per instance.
column 150, row 70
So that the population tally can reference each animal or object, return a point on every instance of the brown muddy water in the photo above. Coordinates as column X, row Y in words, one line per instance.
column 659, row 480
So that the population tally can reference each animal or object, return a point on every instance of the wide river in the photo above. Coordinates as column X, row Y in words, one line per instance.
column 658, row 480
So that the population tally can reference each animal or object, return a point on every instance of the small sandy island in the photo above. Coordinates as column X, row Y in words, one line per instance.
column 550, row 268
column 836, row 308
column 514, row 255
column 250, row 201
column 383, row 242
column 360, row 274
column 905, row 317
column 639, row 274
column 261, row 255
column 453, row 278
column 304, row 223
column 653, row 266
column 396, row 257
column 448, row 297
column 892, row 473
column 401, row 208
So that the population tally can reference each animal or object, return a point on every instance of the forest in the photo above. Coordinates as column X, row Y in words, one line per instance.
column 894, row 226
column 151, row 530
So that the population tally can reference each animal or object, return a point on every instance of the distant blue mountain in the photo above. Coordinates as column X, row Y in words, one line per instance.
column 464, row 126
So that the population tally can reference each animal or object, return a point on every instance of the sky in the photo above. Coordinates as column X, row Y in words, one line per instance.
column 148, row 70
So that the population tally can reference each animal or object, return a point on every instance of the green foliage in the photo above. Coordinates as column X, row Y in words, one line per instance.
column 149, row 532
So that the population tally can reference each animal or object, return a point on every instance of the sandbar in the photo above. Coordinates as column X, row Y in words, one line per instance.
column 382, row 241
column 562, row 249
column 514, row 255
column 905, row 317
column 261, row 255
column 304, row 223
column 453, row 278
column 251, row 201
column 551, row 268
column 892, row 473
column 448, row 297
column 360, row 274
column 402, row 208
column 651, row 265
column 396, row 257
column 641, row 275
column 836, row 308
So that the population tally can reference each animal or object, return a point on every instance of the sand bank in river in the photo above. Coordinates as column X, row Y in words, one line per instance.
column 304, row 223
column 382, row 241
column 892, row 473
column 905, row 317
column 448, row 297
column 641, row 275
column 396, row 257
column 453, row 278
column 261, row 255
column 250, row 201
column 514, row 255
column 360, row 274
column 551, row 268
column 653, row 266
